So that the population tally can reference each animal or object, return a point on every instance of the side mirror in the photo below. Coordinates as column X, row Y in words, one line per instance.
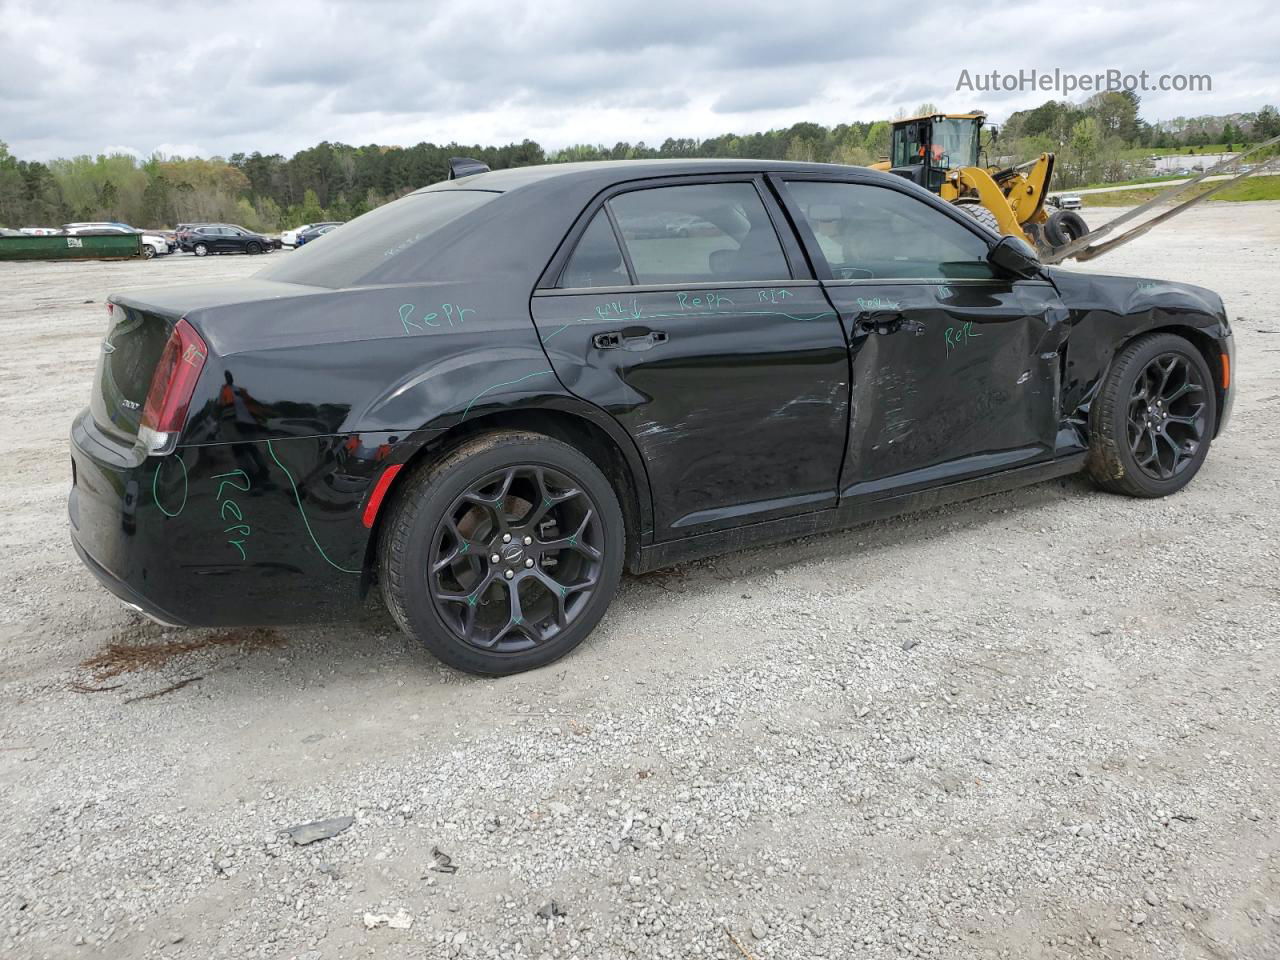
column 1014, row 256
column 995, row 133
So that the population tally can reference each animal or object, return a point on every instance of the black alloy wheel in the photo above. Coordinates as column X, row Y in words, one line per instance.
column 1153, row 418
column 516, row 557
column 1167, row 420
column 503, row 553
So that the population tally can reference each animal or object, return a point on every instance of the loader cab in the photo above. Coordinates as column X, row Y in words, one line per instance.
column 923, row 149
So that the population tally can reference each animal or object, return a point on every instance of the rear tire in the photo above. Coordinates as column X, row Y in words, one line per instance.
column 1151, row 424
column 445, row 526
column 200, row 250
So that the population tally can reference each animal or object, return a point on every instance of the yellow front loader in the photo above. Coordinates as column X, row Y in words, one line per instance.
column 941, row 153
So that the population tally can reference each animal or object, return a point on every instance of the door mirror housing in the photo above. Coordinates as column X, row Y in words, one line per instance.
column 1014, row 256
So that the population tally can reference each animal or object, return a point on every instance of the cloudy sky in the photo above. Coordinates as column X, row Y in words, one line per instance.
column 216, row 78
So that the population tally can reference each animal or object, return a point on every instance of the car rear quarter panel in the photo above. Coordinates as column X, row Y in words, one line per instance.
column 303, row 403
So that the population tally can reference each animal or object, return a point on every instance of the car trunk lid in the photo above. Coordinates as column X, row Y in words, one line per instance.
column 131, row 350
column 140, row 326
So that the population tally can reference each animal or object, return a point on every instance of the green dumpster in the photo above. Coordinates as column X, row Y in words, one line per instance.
column 113, row 246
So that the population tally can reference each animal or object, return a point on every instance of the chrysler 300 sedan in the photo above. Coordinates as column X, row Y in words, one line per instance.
column 500, row 391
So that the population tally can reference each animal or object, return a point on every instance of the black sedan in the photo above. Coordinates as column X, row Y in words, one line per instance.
column 501, row 390
column 225, row 238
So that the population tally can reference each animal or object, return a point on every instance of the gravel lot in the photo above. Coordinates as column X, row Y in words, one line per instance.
column 1042, row 724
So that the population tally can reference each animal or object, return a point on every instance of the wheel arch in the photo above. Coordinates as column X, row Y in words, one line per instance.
column 572, row 422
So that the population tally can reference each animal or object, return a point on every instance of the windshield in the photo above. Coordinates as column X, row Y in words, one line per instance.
column 383, row 246
column 955, row 143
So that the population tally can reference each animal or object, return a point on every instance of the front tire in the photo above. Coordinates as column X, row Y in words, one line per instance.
column 252, row 249
column 200, row 250
column 504, row 554
column 980, row 213
column 148, row 251
column 1152, row 421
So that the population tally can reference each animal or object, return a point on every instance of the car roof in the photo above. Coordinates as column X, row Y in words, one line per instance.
column 607, row 172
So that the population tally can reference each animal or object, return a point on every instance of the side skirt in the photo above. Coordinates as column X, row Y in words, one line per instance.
column 671, row 552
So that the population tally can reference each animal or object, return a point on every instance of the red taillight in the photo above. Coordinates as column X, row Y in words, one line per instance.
column 379, row 493
column 172, row 386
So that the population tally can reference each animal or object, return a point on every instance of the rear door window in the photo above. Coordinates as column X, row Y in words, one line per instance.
column 597, row 260
column 865, row 232
column 700, row 233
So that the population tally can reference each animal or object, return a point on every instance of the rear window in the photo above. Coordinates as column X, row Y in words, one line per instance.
column 713, row 233
column 383, row 246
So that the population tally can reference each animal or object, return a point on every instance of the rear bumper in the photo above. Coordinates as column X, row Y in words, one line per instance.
column 223, row 534
column 126, row 594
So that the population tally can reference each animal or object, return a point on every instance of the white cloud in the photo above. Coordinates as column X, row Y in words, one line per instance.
column 230, row 77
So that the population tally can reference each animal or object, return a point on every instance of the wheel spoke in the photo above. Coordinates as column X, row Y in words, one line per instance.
column 495, row 503
column 562, row 592
column 1175, row 449
column 1188, row 386
column 1189, row 419
column 1152, row 451
column 468, row 598
column 462, row 547
column 516, row 622
column 548, row 499
column 559, row 593
column 1141, row 390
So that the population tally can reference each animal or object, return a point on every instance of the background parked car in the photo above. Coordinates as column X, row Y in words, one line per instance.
column 170, row 238
column 183, row 234
column 306, row 236
column 153, row 244
column 290, row 237
column 226, row 238
column 6, row 232
column 41, row 231
column 81, row 225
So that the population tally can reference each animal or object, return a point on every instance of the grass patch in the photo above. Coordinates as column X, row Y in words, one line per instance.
column 1132, row 183
column 1251, row 188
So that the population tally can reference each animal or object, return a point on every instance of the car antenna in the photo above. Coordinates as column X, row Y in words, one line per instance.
column 465, row 167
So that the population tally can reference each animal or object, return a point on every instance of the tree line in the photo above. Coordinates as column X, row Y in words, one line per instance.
column 1095, row 141
column 1104, row 139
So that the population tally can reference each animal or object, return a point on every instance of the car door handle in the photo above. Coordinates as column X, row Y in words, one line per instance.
column 607, row 341
column 632, row 338
column 885, row 323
